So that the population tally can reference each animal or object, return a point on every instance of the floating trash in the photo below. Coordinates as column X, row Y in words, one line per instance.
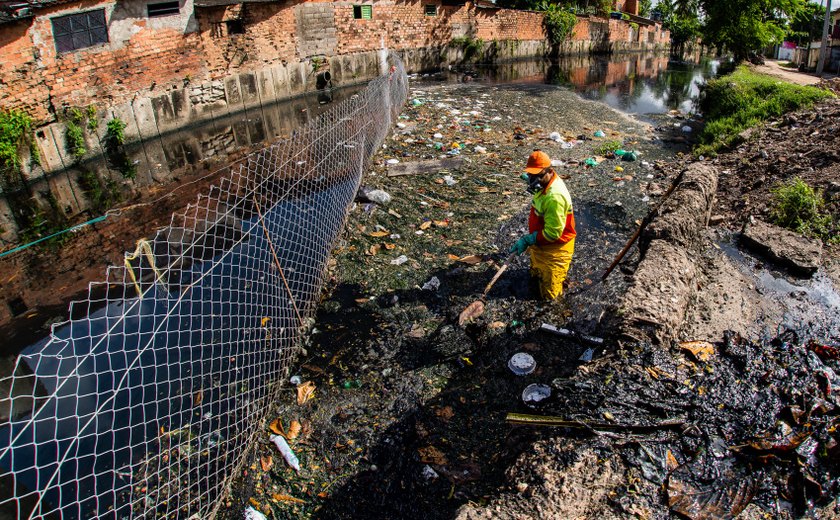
column 522, row 364
column 535, row 393
column 432, row 285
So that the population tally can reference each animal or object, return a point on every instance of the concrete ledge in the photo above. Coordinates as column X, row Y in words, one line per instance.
column 799, row 254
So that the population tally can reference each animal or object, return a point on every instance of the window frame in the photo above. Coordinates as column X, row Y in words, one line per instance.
column 360, row 10
column 166, row 9
column 75, row 27
column 426, row 10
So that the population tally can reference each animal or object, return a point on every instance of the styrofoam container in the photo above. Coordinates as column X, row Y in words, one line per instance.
column 522, row 364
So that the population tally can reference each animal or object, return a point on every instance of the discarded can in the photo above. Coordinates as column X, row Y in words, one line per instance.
column 286, row 451
column 535, row 393
column 522, row 364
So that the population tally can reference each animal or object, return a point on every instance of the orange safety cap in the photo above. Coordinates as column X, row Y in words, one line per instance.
column 537, row 162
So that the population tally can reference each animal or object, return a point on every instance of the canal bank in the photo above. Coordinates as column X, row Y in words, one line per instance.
column 173, row 169
column 411, row 411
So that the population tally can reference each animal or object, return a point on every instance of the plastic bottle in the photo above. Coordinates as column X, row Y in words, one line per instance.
column 351, row 383
column 288, row 454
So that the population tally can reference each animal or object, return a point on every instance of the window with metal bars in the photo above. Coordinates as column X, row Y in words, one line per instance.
column 363, row 12
column 80, row 30
column 163, row 9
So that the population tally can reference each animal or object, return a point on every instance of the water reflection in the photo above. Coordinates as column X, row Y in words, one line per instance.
column 638, row 83
column 95, row 185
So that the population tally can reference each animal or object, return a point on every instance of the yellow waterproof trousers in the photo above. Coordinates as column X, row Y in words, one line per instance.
column 550, row 265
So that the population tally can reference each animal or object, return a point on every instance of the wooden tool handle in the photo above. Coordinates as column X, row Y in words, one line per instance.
column 641, row 227
column 498, row 274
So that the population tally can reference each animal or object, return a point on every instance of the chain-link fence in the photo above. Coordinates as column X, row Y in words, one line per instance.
column 144, row 402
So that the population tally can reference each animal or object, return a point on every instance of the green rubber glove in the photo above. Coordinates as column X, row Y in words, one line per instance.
column 524, row 243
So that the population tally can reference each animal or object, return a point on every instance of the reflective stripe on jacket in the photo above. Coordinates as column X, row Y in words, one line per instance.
column 551, row 214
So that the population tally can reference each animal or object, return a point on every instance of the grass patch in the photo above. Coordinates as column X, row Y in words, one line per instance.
column 743, row 99
column 607, row 147
column 799, row 207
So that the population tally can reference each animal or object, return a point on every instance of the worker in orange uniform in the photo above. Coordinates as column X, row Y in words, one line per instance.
column 551, row 226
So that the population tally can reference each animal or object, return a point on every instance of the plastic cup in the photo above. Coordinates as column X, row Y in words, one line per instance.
column 522, row 364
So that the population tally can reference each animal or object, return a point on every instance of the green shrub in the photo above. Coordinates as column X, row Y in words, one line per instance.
column 472, row 47
column 115, row 150
column 559, row 24
column 625, row 16
column 607, row 147
column 799, row 207
column 75, row 140
column 634, row 26
column 743, row 99
column 15, row 132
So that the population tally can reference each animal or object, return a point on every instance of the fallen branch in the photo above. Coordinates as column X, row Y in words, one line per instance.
column 547, row 420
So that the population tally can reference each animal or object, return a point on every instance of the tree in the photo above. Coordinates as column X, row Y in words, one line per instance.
column 681, row 17
column 807, row 25
column 747, row 26
column 645, row 7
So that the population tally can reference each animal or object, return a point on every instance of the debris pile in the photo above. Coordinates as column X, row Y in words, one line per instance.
column 713, row 428
column 804, row 144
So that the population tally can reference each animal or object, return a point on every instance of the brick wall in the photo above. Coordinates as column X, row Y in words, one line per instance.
column 148, row 57
column 21, row 84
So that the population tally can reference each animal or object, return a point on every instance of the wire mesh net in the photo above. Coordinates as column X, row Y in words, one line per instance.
column 143, row 403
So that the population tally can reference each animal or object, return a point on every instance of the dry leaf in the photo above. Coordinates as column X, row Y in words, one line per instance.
column 445, row 413
column 701, row 350
column 441, row 223
column 417, row 331
column 389, row 246
column 482, row 189
column 264, row 321
column 426, row 225
column 470, row 259
column 276, row 426
column 372, row 250
column 452, row 257
column 654, row 373
column 287, row 498
column 266, row 462
column 671, row 461
column 432, row 455
column 198, row 397
column 294, row 430
column 305, row 392
column 362, row 300
column 473, row 310
column 497, row 325
column 322, row 494
column 254, row 502
column 379, row 234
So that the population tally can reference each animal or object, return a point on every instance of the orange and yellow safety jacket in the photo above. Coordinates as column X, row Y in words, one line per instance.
column 551, row 214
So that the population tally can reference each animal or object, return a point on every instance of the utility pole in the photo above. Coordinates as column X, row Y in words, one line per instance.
column 824, row 43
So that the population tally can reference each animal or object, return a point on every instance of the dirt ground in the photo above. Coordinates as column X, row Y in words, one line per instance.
column 774, row 68
column 409, row 417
